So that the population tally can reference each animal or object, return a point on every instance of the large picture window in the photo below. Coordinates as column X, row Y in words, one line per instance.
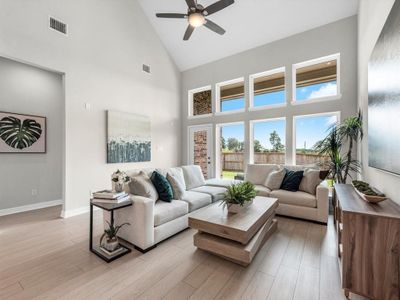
column 267, row 89
column 309, row 130
column 230, row 96
column 268, row 141
column 200, row 102
column 317, row 79
column 230, row 149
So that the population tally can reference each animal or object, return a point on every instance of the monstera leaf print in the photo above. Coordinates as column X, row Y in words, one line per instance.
column 17, row 134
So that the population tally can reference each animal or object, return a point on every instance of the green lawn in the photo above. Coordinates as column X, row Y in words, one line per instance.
column 228, row 174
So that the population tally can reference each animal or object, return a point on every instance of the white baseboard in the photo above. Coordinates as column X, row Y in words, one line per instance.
column 75, row 212
column 15, row 210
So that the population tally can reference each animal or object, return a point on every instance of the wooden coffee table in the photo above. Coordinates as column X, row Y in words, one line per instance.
column 236, row 237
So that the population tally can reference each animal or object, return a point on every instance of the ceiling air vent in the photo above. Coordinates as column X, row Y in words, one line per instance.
column 58, row 25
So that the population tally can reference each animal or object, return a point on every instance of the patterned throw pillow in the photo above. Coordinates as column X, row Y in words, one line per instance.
column 274, row 179
column 162, row 186
column 291, row 181
column 178, row 187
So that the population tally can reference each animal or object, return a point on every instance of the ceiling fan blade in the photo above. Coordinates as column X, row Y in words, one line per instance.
column 217, row 6
column 188, row 32
column 171, row 15
column 214, row 27
column 191, row 3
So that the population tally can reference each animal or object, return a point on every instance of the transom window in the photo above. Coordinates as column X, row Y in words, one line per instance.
column 268, row 89
column 200, row 102
column 230, row 96
column 317, row 79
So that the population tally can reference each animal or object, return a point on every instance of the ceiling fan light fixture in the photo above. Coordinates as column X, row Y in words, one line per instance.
column 196, row 19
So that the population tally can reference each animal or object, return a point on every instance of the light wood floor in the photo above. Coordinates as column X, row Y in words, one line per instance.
column 45, row 257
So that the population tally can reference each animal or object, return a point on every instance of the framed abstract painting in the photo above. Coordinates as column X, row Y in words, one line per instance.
column 128, row 137
column 20, row 133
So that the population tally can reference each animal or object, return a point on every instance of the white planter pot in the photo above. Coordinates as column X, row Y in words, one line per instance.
column 237, row 208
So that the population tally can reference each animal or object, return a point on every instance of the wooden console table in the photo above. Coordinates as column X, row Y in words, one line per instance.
column 368, row 244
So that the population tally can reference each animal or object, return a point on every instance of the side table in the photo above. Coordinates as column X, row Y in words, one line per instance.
column 108, row 207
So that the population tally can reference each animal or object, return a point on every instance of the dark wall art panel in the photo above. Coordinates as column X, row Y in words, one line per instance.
column 384, row 97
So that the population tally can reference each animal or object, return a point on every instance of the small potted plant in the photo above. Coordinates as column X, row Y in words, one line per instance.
column 239, row 196
column 119, row 178
column 111, row 242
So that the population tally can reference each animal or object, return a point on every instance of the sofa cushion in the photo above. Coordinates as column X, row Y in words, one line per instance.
column 196, row 200
column 311, row 179
column 291, row 181
column 274, row 179
column 295, row 198
column 257, row 174
column 262, row 190
column 162, row 186
column 217, row 193
column 168, row 211
column 193, row 176
column 141, row 185
column 221, row 182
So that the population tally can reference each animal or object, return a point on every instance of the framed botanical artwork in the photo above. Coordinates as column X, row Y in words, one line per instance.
column 128, row 137
column 21, row 133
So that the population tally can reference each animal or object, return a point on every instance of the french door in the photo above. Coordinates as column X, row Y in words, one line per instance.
column 200, row 148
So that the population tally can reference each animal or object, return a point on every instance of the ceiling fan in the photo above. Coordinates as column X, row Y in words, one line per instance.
column 197, row 14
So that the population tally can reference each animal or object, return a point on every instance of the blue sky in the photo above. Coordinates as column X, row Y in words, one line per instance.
column 262, row 131
column 309, row 130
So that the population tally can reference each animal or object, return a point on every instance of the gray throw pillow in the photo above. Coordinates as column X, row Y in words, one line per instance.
column 193, row 176
column 141, row 185
column 274, row 179
column 310, row 181
column 178, row 186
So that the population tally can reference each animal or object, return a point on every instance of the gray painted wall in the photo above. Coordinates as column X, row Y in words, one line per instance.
column 372, row 17
column 339, row 37
column 28, row 90
column 102, row 57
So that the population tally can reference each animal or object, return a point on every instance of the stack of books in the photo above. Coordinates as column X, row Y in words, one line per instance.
column 108, row 196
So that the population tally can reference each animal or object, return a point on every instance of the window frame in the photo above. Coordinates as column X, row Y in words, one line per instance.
column 190, row 102
column 218, row 86
column 311, row 62
column 251, row 89
column 294, row 132
column 251, row 135
column 217, row 137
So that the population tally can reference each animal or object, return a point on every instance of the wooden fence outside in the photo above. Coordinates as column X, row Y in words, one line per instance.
column 235, row 161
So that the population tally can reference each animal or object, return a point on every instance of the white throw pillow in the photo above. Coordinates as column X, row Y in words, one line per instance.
column 274, row 179
column 193, row 176
column 310, row 181
column 178, row 186
column 141, row 185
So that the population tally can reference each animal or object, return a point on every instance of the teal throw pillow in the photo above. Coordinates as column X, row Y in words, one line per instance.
column 162, row 186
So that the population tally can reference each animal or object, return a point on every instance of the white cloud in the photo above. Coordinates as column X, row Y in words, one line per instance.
column 326, row 90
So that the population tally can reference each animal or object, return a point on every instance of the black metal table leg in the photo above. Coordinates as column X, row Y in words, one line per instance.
column 91, row 228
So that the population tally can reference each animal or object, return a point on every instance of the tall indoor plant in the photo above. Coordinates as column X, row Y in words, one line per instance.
column 341, row 162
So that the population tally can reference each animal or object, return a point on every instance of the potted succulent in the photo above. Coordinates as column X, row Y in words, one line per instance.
column 111, row 242
column 239, row 196
column 119, row 178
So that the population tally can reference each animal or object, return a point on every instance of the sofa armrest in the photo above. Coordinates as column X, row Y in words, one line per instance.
column 322, row 195
column 141, row 217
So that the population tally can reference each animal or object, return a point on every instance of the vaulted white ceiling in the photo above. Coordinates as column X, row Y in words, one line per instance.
column 248, row 24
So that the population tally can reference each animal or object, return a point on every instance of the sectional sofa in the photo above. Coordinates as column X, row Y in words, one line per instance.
column 154, row 221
